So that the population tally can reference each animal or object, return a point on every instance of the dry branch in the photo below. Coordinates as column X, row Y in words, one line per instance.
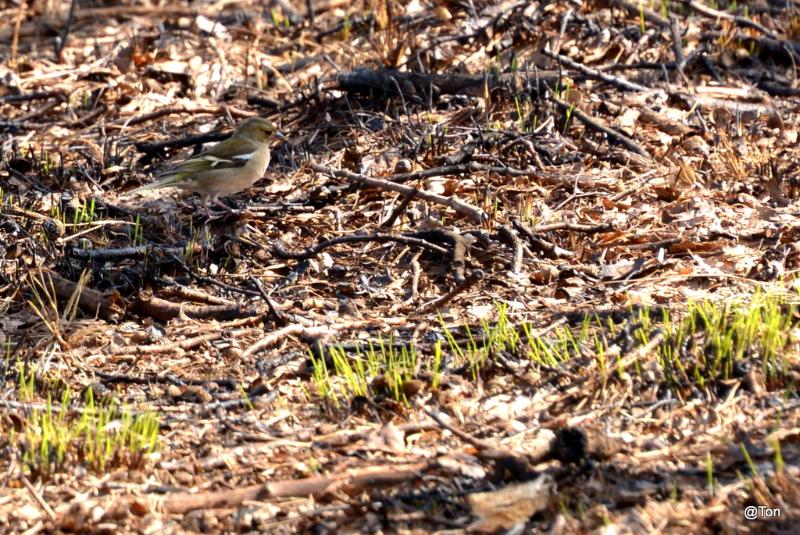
column 616, row 81
column 637, row 9
column 110, row 307
column 351, row 481
column 475, row 214
column 596, row 125
column 146, row 304
column 281, row 252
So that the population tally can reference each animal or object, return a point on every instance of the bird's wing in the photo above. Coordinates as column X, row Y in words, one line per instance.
column 231, row 153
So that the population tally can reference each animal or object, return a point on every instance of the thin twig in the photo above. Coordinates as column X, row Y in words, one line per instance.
column 616, row 81
column 592, row 123
column 472, row 212
column 439, row 302
column 281, row 252
column 39, row 498
column 62, row 41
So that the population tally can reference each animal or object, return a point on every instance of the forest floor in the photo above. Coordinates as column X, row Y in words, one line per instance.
column 514, row 267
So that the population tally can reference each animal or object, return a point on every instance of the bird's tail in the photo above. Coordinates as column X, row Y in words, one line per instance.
column 166, row 182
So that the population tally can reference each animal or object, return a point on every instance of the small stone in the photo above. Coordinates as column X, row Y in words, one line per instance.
column 403, row 165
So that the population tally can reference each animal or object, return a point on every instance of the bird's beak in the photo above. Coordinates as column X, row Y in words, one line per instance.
column 281, row 136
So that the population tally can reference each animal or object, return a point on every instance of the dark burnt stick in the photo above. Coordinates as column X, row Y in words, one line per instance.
column 154, row 147
column 148, row 378
column 140, row 251
column 414, row 85
column 61, row 41
column 399, row 209
column 779, row 49
column 279, row 317
column 36, row 95
column 110, row 307
column 715, row 14
column 592, row 123
column 537, row 242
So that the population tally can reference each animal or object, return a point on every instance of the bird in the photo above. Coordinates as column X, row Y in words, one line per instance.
column 230, row 166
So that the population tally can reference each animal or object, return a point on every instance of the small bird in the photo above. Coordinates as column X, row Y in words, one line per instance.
column 228, row 167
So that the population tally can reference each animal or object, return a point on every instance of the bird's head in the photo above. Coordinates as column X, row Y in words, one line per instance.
column 256, row 128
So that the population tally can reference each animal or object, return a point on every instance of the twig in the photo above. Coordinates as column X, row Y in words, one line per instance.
column 518, row 465
column 62, row 41
column 171, row 110
column 507, row 236
column 146, row 304
column 677, row 45
column 281, row 252
column 416, row 271
column 439, row 302
column 638, row 10
column 39, row 499
column 476, row 167
column 228, row 456
column 110, row 307
column 189, row 343
column 549, row 248
column 715, row 14
column 616, row 81
column 592, row 123
column 472, row 212
column 312, row 332
column 188, row 141
column 274, row 337
column 575, row 227
column 354, row 480
column 23, row 7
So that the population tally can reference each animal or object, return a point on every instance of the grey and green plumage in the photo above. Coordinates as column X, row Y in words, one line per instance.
column 226, row 168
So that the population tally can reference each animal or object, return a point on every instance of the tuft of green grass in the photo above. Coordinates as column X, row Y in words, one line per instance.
column 700, row 349
column 137, row 233
column 104, row 434
column 708, row 343
column 85, row 213
column 379, row 367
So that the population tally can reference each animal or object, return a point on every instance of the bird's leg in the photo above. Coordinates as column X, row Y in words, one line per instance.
column 233, row 211
column 225, row 206
column 205, row 206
